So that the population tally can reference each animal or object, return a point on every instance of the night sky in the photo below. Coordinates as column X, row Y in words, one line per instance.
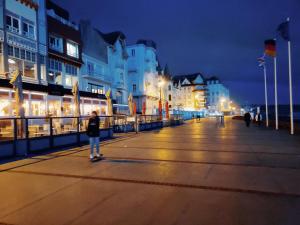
column 216, row 37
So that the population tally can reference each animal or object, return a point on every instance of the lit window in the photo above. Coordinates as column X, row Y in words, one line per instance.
column 72, row 49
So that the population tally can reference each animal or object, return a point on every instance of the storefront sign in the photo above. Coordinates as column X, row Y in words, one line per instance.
column 21, row 42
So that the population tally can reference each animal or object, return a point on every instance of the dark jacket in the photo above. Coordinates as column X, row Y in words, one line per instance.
column 93, row 128
column 247, row 117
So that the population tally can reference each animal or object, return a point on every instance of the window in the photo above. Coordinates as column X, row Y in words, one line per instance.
column 29, row 69
column 170, row 87
column 170, row 98
column 28, row 30
column 17, row 52
column 133, row 52
column 134, row 88
column 22, row 54
column 12, row 24
column 94, row 88
column 70, row 80
column 70, row 69
column 71, row 75
column 90, row 69
column 55, row 43
column 55, row 71
column 72, row 49
column 10, row 50
column 28, row 55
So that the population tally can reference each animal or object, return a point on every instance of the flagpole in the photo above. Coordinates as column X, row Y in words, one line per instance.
column 276, row 96
column 290, row 85
column 266, row 96
column 291, row 88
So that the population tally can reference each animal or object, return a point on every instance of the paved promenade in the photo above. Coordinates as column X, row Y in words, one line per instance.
column 198, row 173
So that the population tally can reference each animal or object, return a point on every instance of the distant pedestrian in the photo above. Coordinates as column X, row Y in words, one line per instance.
column 258, row 119
column 247, row 118
column 93, row 131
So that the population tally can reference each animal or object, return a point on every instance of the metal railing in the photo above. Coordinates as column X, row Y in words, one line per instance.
column 32, row 127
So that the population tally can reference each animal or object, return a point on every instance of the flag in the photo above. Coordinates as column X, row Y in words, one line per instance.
column 261, row 61
column 270, row 47
column 284, row 30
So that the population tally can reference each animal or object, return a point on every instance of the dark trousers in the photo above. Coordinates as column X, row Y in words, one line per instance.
column 247, row 123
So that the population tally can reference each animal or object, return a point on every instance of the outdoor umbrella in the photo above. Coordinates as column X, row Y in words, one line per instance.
column 76, row 95
column 109, row 105
column 16, row 81
column 130, row 105
column 167, row 110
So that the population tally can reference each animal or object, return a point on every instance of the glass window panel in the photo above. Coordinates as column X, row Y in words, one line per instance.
column 29, row 70
column 28, row 55
column 17, row 52
column 22, row 54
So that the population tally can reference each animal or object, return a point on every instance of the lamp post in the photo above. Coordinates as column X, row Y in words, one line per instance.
column 160, row 84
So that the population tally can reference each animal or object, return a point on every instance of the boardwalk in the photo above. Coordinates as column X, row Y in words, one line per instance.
column 197, row 173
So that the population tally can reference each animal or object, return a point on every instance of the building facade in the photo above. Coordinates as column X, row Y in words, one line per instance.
column 218, row 98
column 187, row 92
column 23, row 41
column 118, row 70
column 143, row 78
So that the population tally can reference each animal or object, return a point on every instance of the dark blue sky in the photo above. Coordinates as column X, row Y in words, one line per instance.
column 216, row 37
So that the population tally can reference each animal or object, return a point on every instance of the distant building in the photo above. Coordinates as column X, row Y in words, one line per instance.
column 187, row 92
column 143, row 78
column 218, row 98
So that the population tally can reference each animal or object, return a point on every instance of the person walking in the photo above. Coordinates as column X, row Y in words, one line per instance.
column 258, row 119
column 93, row 131
column 247, row 118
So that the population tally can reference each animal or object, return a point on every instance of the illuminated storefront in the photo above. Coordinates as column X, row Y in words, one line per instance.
column 41, row 104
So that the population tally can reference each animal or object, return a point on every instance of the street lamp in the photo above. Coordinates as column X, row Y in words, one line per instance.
column 160, row 85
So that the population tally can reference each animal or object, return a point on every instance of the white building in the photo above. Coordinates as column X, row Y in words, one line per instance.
column 143, row 75
column 187, row 93
column 118, row 72
column 218, row 98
